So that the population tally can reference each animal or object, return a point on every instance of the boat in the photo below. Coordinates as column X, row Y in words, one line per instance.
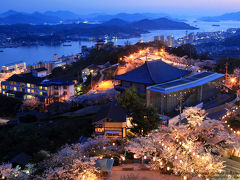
column 216, row 25
column 67, row 45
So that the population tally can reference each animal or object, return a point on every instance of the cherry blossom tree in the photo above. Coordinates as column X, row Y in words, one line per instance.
column 76, row 161
column 7, row 171
column 190, row 149
column 31, row 104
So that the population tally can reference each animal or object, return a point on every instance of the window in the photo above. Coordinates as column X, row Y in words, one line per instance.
column 45, row 88
column 3, row 87
column 4, row 92
column 11, row 88
column 15, row 89
column 40, row 87
column 20, row 89
column 32, row 91
column 40, row 93
column 28, row 85
column 32, row 85
column 28, row 90
column 99, row 130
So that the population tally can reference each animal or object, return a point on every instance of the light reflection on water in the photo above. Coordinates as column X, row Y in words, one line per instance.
column 34, row 54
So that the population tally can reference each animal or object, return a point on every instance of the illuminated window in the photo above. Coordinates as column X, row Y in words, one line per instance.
column 28, row 90
column 4, row 92
column 45, row 88
column 15, row 89
column 28, row 85
column 32, row 85
column 20, row 89
column 3, row 87
column 32, row 91
column 99, row 129
column 40, row 93
column 40, row 87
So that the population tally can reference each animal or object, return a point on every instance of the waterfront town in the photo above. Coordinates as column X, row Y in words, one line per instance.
column 149, row 111
column 155, row 107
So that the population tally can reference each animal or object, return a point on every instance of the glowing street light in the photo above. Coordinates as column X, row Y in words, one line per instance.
column 233, row 80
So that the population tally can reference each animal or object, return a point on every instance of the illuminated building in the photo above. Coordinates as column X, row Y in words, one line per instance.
column 150, row 73
column 35, row 84
column 15, row 68
column 193, row 90
column 112, row 120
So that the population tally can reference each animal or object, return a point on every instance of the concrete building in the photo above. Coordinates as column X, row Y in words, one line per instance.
column 15, row 68
column 159, row 38
column 90, row 70
column 39, row 72
column 170, row 41
column 47, row 65
column 150, row 73
column 188, row 91
column 35, row 84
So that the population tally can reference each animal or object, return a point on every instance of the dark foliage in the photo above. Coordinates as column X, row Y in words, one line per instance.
column 49, row 135
column 9, row 107
column 185, row 50
column 232, row 64
column 145, row 118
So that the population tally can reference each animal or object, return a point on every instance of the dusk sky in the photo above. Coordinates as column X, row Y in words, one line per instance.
column 184, row 7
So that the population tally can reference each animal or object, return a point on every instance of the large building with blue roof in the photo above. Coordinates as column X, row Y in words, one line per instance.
column 35, row 84
column 194, row 89
column 150, row 73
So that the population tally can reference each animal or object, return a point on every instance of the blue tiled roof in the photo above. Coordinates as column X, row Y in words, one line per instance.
column 153, row 72
column 184, row 83
column 56, row 83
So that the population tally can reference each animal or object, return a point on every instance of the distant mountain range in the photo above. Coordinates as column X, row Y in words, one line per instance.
column 52, row 17
column 114, row 27
column 225, row 17
column 125, row 16
column 150, row 24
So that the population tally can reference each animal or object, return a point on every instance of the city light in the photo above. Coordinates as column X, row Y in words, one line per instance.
column 233, row 80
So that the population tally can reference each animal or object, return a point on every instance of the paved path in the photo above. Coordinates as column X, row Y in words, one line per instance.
column 137, row 174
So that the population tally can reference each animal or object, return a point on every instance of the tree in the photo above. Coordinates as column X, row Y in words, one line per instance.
column 189, row 149
column 185, row 50
column 31, row 104
column 145, row 119
column 76, row 161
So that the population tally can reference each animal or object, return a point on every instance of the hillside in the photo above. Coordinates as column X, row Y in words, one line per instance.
column 225, row 17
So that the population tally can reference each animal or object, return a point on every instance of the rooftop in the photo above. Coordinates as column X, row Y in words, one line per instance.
column 56, row 83
column 153, row 72
column 184, row 83
column 25, row 78
column 14, row 63
column 40, row 69
column 112, row 111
